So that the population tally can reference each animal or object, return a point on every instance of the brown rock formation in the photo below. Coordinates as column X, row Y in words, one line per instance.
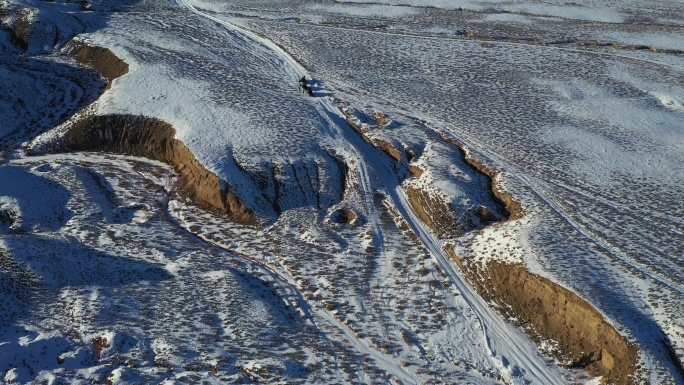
column 560, row 315
column 433, row 211
column 484, row 215
column 415, row 171
column 101, row 60
column 556, row 313
column 22, row 26
column 343, row 216
column 155, row 139
column 388, row 149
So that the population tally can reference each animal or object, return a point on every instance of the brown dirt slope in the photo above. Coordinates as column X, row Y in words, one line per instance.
column 155, row 139
column 547, row 310
column 388, row 149
column 512, row 208
column 433, row 211
column 149, row 138
column 101, row 60
column 559, row 314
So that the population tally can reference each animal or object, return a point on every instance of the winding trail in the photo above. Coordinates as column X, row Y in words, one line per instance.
column 538, row 187
column 509, row 349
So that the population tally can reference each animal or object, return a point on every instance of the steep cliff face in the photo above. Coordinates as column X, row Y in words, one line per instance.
column 549, row 311
column 145, row 137
column 101, row 60
column 560, row 315
column 155, row 139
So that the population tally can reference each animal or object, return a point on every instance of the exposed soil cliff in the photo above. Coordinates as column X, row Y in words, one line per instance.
column 549, row 311
column 388, row 149
column 434, row 211
column 512, row 209
column 155, row 139
column 17, row 30
column 101, row 60
column 149, row 138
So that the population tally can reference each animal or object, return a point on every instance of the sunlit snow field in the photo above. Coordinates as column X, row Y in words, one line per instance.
column 578, row 108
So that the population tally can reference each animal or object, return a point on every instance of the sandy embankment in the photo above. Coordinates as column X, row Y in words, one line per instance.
column 150, row 138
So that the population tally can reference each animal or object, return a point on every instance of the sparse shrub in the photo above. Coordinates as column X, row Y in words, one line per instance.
column 99, row 344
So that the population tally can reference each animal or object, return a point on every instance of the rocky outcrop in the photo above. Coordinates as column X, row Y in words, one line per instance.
column 560, row 315
column 17, row 30
column 35, row 29
column 155, row 139
column 388, row 149
column 512, row 209
column 318, row 182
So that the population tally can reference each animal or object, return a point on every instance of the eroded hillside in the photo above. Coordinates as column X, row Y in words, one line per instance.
column 348, row 192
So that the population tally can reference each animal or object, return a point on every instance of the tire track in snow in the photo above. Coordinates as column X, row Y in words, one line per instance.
column 295, row 70
column 510, row 350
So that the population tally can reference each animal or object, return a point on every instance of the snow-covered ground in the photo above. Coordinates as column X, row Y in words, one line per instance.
column 589, row 139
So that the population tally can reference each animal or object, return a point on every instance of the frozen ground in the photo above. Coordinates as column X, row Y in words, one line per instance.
column 588, row 138
column 591, row 141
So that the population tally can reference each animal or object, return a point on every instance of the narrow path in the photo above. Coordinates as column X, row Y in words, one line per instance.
column 509, row 349
column 515, row 355
column 315, row 310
